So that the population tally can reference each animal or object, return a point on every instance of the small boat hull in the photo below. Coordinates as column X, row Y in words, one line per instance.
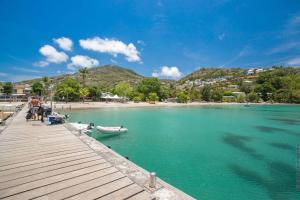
column 117, row 129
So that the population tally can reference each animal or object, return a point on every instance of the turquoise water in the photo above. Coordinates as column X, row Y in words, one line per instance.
column 210, row 152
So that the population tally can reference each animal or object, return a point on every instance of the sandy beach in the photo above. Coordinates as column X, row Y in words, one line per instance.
column 87, row 105
column 90, row 105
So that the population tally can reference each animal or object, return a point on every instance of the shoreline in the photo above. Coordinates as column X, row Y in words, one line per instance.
column 89, row 105
column 98, row 105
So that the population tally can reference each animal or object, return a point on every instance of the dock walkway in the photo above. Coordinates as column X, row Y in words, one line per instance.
column 50, row 162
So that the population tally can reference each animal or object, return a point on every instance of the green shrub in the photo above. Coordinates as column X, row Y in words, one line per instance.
column 137, row 99
column 182, row 98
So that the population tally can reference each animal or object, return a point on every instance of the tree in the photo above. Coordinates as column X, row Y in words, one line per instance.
column 149, row 85
column 265, row 90
column 84, row 72
column 206, row 93
column 46, row 83
column 164, row 92
column 217, row 95
column 295, row 96
column 252, row 97
column 8, row 88
column 123, row 89
column 137, row 99
column 68, row 89
column 182, row 98
column 240, row 98
column 245, row 88
column 37, row 88
column 84, row 92
column 194, row 94
column 153, row 97
column 94, row 92
column 263, row 77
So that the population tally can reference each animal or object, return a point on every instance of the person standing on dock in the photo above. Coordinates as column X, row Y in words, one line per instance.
column 34, row 106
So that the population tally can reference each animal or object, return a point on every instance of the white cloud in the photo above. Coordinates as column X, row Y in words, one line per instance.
column 64, row 43
column 41, row 64
column 111, row 46
column 294, row 62
column 52, row 55
column 168, row 72
column 79, row 61
column 155, row 74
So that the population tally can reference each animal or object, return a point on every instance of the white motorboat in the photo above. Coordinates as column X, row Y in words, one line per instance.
column 112, row 129
column 82, row 127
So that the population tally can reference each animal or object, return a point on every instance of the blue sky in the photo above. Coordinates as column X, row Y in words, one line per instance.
column 164, row 38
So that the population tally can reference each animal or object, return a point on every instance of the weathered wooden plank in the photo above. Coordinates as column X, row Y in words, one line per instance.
column 25, row 154
column 142, row 195
column 42, row 160
column 47, row 164
column 123, row 193
column 103, row 190
column 40, row 146
column 6, row 162
column 22, row 174
column 83, row 184
column 39, row 176
column 50, row 180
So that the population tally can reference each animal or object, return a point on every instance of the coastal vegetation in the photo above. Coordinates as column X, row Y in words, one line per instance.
column 7, row 88
column 276, row 84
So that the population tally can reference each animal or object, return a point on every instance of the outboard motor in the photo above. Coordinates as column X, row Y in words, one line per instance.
column 91, row 126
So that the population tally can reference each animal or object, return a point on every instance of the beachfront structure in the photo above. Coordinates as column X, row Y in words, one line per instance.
column 22, row 89
column 20, row 93
column 112, row 98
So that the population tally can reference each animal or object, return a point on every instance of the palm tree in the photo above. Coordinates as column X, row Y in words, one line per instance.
column 45, row 80
column 65, row 91
column 84, row 71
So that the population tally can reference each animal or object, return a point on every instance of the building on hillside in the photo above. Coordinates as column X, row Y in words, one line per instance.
column 255, row 71
column 250, row 71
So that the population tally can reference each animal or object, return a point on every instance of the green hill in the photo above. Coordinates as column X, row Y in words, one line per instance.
column 105, row 76
column 209, row 73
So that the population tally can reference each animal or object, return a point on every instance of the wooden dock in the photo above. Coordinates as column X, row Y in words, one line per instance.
column 50, row 162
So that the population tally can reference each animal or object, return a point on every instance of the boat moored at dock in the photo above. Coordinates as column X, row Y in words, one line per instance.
column 112, row 129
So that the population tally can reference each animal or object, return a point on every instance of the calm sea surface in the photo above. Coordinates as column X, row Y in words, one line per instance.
column 210, row 152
